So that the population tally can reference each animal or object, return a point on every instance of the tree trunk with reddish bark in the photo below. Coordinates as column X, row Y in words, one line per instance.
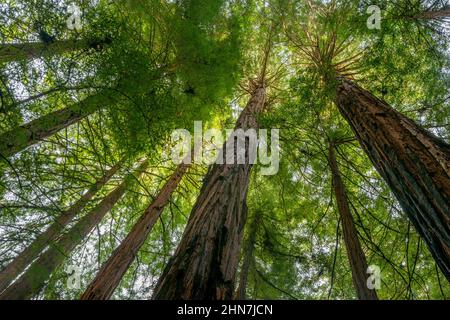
column 414, row 163
column 32, row 251
column 248, row 258
column 34, row 278
column 112, row 271
column 205, row 262
column 355, row 253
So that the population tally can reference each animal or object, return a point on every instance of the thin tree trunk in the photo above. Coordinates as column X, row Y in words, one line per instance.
column 28, row 134
column 248, row 258
column 42, row 94
column 205, row 262
column 31, row 282
column 356, row 257
column 414, row 163
column 32, row 251
column 29, row 50
column 112, row 271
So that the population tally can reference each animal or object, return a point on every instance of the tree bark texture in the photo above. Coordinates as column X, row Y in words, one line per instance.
column 205, row 262
column 413, row 162
column 248, row 258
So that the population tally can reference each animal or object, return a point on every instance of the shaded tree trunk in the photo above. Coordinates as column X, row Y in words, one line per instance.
column 112, row 271
column 248, row 258
column 29, row 50
column 435, row 14
column 356, row 257
column 205, row 262
column 28, row 134
column 34, row 278
column 31, row 252
column 414, row 163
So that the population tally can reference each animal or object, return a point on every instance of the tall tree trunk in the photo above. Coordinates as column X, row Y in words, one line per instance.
column 356, row 257
column 248, row 258
column 205, row 262
column 435, row 14
column 29, row 50
column 32, row 251
column 414, row 163
column 28, row 134
column 30, row 283
column 112, row 271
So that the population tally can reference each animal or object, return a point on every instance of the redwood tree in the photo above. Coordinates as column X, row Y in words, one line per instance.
column 205, row 262
column 112, row 271
column 248, row 257
column 414, row 163
column 355, row 253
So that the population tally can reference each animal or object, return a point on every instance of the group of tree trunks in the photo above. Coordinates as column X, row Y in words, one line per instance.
column 33, row 279
column 18, row 265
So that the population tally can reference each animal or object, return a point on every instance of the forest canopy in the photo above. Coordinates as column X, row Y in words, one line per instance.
column 225, row 149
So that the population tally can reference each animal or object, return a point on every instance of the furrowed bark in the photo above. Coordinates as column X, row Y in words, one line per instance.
column 205, row 262
column 356, row 256
column 414, row 163
column 112, row 271
column 248, row 258
column 32, row 251
column 30, row 50
column 28, row 134
column 34, row 278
